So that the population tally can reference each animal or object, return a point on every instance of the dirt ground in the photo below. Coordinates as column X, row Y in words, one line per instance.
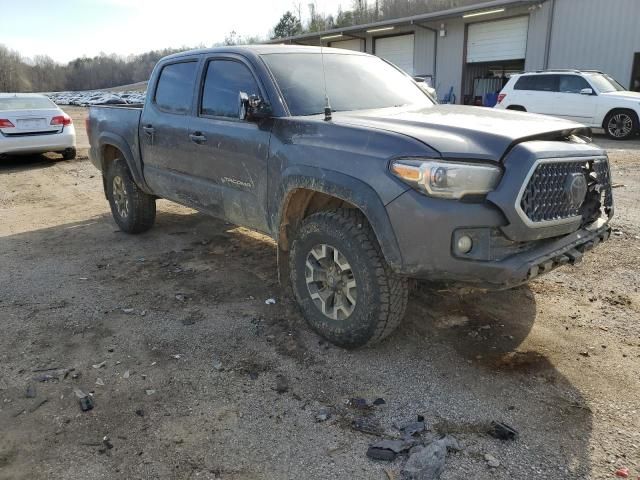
column 170, row 332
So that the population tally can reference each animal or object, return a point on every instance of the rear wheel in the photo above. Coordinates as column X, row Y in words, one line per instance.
column 69, row 153
column 133, row 210
column 621, row 124
column 517, row 108
column 345, row 289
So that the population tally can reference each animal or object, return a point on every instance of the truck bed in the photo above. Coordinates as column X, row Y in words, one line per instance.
column 120, row 123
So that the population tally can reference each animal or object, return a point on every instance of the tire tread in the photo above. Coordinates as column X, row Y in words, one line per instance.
column 394, row 291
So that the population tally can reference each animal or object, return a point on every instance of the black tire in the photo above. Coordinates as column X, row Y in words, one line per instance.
column 381, row 296
column 517, row 108
column 620, row 124
column 139, row 213
column 69, row 154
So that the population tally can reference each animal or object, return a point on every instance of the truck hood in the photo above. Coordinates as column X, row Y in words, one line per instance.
column 457, row 131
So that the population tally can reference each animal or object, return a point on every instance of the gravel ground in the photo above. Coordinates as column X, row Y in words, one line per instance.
column 194, row 360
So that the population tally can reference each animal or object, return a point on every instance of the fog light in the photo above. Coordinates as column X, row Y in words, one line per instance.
column 465, row 244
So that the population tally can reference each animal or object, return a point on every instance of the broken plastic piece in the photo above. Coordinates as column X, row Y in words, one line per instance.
column 502, row 431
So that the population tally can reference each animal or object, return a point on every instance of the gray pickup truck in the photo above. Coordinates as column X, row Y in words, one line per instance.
column 362, row 180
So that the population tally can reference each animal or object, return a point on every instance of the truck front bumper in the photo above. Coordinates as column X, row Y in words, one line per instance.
column 426, row 240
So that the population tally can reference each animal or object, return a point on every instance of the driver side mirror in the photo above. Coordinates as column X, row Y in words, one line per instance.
column 586, row 91
column 252, row 107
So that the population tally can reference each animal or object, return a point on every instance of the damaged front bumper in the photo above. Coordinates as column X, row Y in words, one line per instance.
column 427, row 242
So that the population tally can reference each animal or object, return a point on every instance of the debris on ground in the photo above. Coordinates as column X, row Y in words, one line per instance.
column 413, row 428
column 31, row 391
column 85, row 400
column 359, row 403
column 492, row 461
column 367, row 425
column 107, row 442
column 502, row 431
column 323, row 414
column 391, row 475
column 150, row 392
column 388, row 450
column 282, row 384
column 100, row 382
column 128, row 310
column 140, row 412
column 217, row 364
column 270, row 301
column 427, row 463
column 379, row 401
column 99, row 365
column 50, row 369
column 126, row 374
column 622, row 472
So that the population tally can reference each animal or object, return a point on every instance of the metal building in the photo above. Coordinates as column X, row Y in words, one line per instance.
column 468, row 51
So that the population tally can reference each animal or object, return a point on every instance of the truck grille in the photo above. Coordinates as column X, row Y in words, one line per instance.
column 548, row 195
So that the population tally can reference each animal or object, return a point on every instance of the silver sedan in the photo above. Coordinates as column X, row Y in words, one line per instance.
column 31, row 123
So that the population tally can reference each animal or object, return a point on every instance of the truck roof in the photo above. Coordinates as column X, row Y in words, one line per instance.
column 265, row 49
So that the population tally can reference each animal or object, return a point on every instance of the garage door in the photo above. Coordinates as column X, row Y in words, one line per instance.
column 355, row 44
column 499, row 40
column 398, row 50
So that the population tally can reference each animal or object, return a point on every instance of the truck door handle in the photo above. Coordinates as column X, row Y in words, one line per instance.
column 148, row 129
column 198, row 138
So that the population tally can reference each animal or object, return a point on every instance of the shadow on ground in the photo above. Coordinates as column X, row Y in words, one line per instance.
column 167, row 305
column 19, row 163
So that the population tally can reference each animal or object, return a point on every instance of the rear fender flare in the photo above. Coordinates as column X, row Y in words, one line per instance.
column 135, row 167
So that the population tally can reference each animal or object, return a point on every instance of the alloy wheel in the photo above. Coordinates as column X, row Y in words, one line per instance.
column 620, row 125
column 120, row 197
column 330, row 281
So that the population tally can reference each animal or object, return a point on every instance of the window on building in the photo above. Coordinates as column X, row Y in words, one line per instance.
column 174, row 92
column 223, row 83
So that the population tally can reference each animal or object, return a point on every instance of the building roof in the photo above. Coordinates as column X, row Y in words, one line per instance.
column 425, row 17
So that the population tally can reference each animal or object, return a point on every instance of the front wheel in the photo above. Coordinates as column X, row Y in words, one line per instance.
column 345, row 289
column 620, row 124
column 133, row 210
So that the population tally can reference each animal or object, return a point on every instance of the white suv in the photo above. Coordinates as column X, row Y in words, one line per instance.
column 592, row 98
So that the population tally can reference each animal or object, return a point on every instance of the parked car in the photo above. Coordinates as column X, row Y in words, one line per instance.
column 589, row 97
column 31, row 123
column 384, row 186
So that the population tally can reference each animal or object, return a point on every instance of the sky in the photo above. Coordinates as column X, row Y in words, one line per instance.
column 67, row 29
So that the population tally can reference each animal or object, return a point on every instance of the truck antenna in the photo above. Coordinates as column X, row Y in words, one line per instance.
column 327, row 105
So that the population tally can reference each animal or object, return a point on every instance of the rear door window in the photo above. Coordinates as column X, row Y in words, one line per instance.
column 572, row 84
column 174, row 93
column 224, row 81
column 538, row 83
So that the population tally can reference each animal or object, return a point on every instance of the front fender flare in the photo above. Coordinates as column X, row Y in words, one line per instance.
column 349, row 189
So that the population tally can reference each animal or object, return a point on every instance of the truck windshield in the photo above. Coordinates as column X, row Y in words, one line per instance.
column 354, row 82
column 604, row 83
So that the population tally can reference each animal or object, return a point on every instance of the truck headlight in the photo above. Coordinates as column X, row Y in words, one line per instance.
column 443, row 179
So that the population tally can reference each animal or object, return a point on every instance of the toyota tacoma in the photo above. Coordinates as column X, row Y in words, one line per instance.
column 362, row 180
